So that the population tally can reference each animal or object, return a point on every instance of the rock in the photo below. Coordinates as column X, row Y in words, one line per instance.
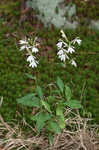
column 51, row 12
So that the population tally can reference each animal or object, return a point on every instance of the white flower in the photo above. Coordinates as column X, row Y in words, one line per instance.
column 66, row 48
column 22, row 47
column 78, row 40
column 59, row 45
column 33, row 64
column 73, row 63
column 62, row 55
column 35, row 50
column 23, row 42
column 30, row 58
column 60, row 52
column 70, row 49
column 31, row 48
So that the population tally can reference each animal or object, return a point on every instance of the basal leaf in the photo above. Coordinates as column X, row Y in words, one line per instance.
column 74, row 104
column 29, row 100
column 45, row 115
column 53, row 127
column 40, row 119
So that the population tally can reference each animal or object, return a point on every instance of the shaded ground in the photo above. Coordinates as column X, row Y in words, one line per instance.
column 80, row 139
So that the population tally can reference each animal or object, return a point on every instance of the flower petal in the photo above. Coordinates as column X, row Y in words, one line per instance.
column 70, row 49
column 35, row 50
column 59, row 44
column 77, row 40
column 30, row 58
column 73, row 63
column 22, row 47
column 33, row 64
column 23, row 42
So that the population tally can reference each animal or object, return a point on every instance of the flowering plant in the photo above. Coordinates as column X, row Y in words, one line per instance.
column 31, row 47
column 66, row 47
column 50, row 112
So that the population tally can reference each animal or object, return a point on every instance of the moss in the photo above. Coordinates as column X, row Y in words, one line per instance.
column 84, row 10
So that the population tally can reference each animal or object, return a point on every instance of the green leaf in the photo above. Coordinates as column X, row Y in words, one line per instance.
column 46, row 105
column 50, row 139
column 61, row 122
column 60, row 84
column 40, row 119
column 40, row 123
column 45, row 115
column 39, row 92
column 30, row 76
column 29, row 100
column 53, row 127
column 74, row 104
column 68, row 93
column 60, row 114
column 59, row 111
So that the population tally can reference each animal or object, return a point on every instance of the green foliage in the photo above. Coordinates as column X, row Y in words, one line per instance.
column 53, row 127
column 60, row 84
column 40, row 119
column 74, row 104
column 46, row 105
column 30, row 76
column 68, row 92
column 39, row 92
column 50, row 139
column 61, row 118
column 29, row 100
column 50, row 115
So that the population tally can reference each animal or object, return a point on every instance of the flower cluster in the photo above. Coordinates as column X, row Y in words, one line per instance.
column 66, row 47
column 31, row 47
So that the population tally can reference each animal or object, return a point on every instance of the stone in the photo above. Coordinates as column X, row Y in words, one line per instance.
column 51, row 12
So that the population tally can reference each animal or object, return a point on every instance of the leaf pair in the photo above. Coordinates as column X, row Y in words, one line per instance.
column 74, row 104
column 29, row 100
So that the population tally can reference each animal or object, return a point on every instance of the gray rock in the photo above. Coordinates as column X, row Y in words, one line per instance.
column 51, row 12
